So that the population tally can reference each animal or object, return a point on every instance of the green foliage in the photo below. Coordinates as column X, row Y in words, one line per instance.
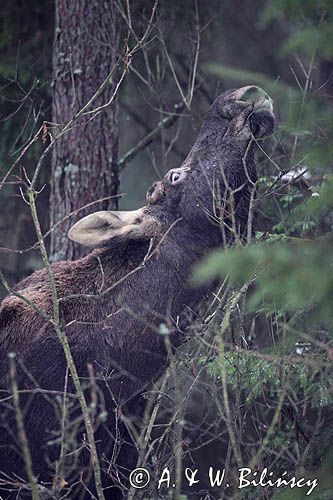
column 320, row 37
column 258, row 375
column 296, row 10
column 313, row 28
column 290, row 275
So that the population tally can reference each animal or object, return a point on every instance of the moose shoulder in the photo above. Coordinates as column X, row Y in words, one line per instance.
column 113, row 302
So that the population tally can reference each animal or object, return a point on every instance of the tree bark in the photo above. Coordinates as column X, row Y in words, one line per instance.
column 84, row 161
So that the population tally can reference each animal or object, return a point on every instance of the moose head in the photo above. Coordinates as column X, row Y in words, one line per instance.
column 210, row 192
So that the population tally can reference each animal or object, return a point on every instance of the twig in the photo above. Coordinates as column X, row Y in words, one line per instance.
column 21, row 430
column 148, row 139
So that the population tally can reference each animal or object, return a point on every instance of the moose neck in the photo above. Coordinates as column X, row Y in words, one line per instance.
column 150, row 301
column 163, row 286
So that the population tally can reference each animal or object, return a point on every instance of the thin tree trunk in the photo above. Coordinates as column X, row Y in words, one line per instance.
column 84, row 162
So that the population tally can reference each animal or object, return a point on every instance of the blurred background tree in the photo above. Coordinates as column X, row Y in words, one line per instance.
column 266, row 353
column 84, row 159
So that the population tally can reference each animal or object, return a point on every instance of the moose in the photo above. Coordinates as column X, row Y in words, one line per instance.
column 113, row 302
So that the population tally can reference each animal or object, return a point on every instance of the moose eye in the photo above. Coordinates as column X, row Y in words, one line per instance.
column 178, row 175
column 174, row 177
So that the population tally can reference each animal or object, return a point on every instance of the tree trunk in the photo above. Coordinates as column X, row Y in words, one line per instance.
column 84, row 161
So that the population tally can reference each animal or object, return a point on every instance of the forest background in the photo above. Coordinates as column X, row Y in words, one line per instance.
column 157, row 67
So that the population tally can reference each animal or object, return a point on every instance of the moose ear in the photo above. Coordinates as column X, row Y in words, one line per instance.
column 105, row 227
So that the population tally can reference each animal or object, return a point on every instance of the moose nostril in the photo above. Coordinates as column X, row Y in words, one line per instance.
column 155, row 193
